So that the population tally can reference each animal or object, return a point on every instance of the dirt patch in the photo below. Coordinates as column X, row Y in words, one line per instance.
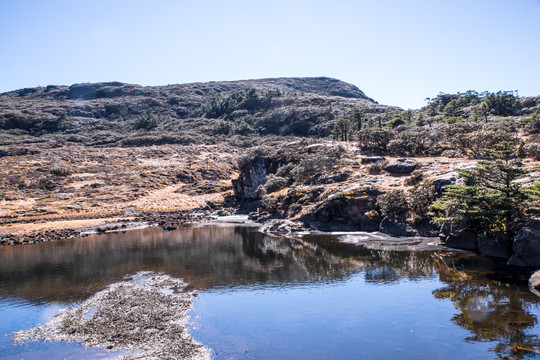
column 147, row 313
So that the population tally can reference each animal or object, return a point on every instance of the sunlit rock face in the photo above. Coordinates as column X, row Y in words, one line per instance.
column 252, row 175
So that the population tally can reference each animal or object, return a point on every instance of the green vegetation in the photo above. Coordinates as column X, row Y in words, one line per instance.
column 394, row 205
column 491, row 200
column 502, row 103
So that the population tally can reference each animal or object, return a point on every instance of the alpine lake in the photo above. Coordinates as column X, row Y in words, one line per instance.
column 312, row 296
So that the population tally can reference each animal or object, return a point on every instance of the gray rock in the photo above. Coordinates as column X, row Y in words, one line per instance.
column 534, row 283
column 282, row 227
column 462, row 239
column 526, row 247
column 401, row 166
column 391, row 227
column 443, row 180
column 370, row 223
column 372, row 159
column 252, row 175
column 492, row 246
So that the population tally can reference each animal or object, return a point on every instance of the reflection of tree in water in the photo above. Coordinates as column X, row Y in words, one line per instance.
column 492, row 311
column 390, row 266
column 490, row 306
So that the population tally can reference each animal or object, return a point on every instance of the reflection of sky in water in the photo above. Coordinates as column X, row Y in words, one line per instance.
column 346, row 320
column 266, row 297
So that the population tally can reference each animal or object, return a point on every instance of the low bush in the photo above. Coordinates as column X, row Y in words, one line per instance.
column 394, row 205
column 274, row 183
column 61, row 171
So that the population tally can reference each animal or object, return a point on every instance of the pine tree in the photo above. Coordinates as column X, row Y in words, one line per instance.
column 489, row 201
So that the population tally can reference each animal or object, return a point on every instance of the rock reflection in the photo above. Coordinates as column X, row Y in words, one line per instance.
column 493, row 304
column 491, row 308
column 206, row 257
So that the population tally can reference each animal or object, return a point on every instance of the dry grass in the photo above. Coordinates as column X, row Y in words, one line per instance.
column 101, row 181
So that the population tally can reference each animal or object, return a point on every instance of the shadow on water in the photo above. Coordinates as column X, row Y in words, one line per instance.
column 491, row 302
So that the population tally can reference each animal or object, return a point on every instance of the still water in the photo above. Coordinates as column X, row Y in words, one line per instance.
column 263, row 297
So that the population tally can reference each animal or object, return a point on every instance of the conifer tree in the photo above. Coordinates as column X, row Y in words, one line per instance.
column 489, row 201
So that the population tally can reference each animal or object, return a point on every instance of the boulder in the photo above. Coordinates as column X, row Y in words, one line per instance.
column 492, row 246
column 353, row 206
column 370, row 222
column 462, row 239
column 526, row 247
column 534, row 283
column 401, row 166
column 441, row 181
column 394, row 228
column 372, row 159
column 252, row 175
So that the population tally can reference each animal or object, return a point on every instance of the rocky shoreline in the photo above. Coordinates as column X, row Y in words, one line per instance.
column 168, row 220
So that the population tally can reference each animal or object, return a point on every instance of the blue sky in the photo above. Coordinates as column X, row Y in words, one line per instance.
column 398, row 52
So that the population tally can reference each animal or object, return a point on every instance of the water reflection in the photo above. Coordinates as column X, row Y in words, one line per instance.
column 492, row 309
column 207, row 257
column 492, row 303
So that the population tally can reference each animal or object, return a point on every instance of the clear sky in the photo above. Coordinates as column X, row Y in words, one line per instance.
column 397, row 51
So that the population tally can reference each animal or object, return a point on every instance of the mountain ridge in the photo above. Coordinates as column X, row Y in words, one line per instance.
column 109, row 112
column 315, row 85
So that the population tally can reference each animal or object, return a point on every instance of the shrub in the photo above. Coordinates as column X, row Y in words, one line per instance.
column 394, row 205
column 531, row 125
column 61, row 171
column 254, row 153
column 274, row 183
column 415, row 178
column 285, row 171
column 269, row 203
column 322, row 161
column 420, row 199
column 374, row 139
column 376, row 169
column 147, row 121
column 533, row 151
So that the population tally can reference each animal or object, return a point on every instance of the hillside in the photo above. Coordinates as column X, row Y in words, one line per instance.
column 125, row 114
column 296, row 153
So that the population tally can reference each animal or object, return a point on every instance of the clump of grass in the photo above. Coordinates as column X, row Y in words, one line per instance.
column 61, row 171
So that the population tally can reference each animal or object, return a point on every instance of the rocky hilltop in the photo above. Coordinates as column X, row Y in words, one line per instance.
column 127, row 114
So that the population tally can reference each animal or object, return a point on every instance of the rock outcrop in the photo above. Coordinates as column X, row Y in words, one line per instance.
column 252, row 175
column 394, row 228
column 492, row 246
column 351, row 207
column 441, row 181
column 401, row 166
column 534, row 283
column 459, row 239
column 526, row 247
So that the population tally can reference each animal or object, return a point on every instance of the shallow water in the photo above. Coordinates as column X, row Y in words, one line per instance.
column 262, row 297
